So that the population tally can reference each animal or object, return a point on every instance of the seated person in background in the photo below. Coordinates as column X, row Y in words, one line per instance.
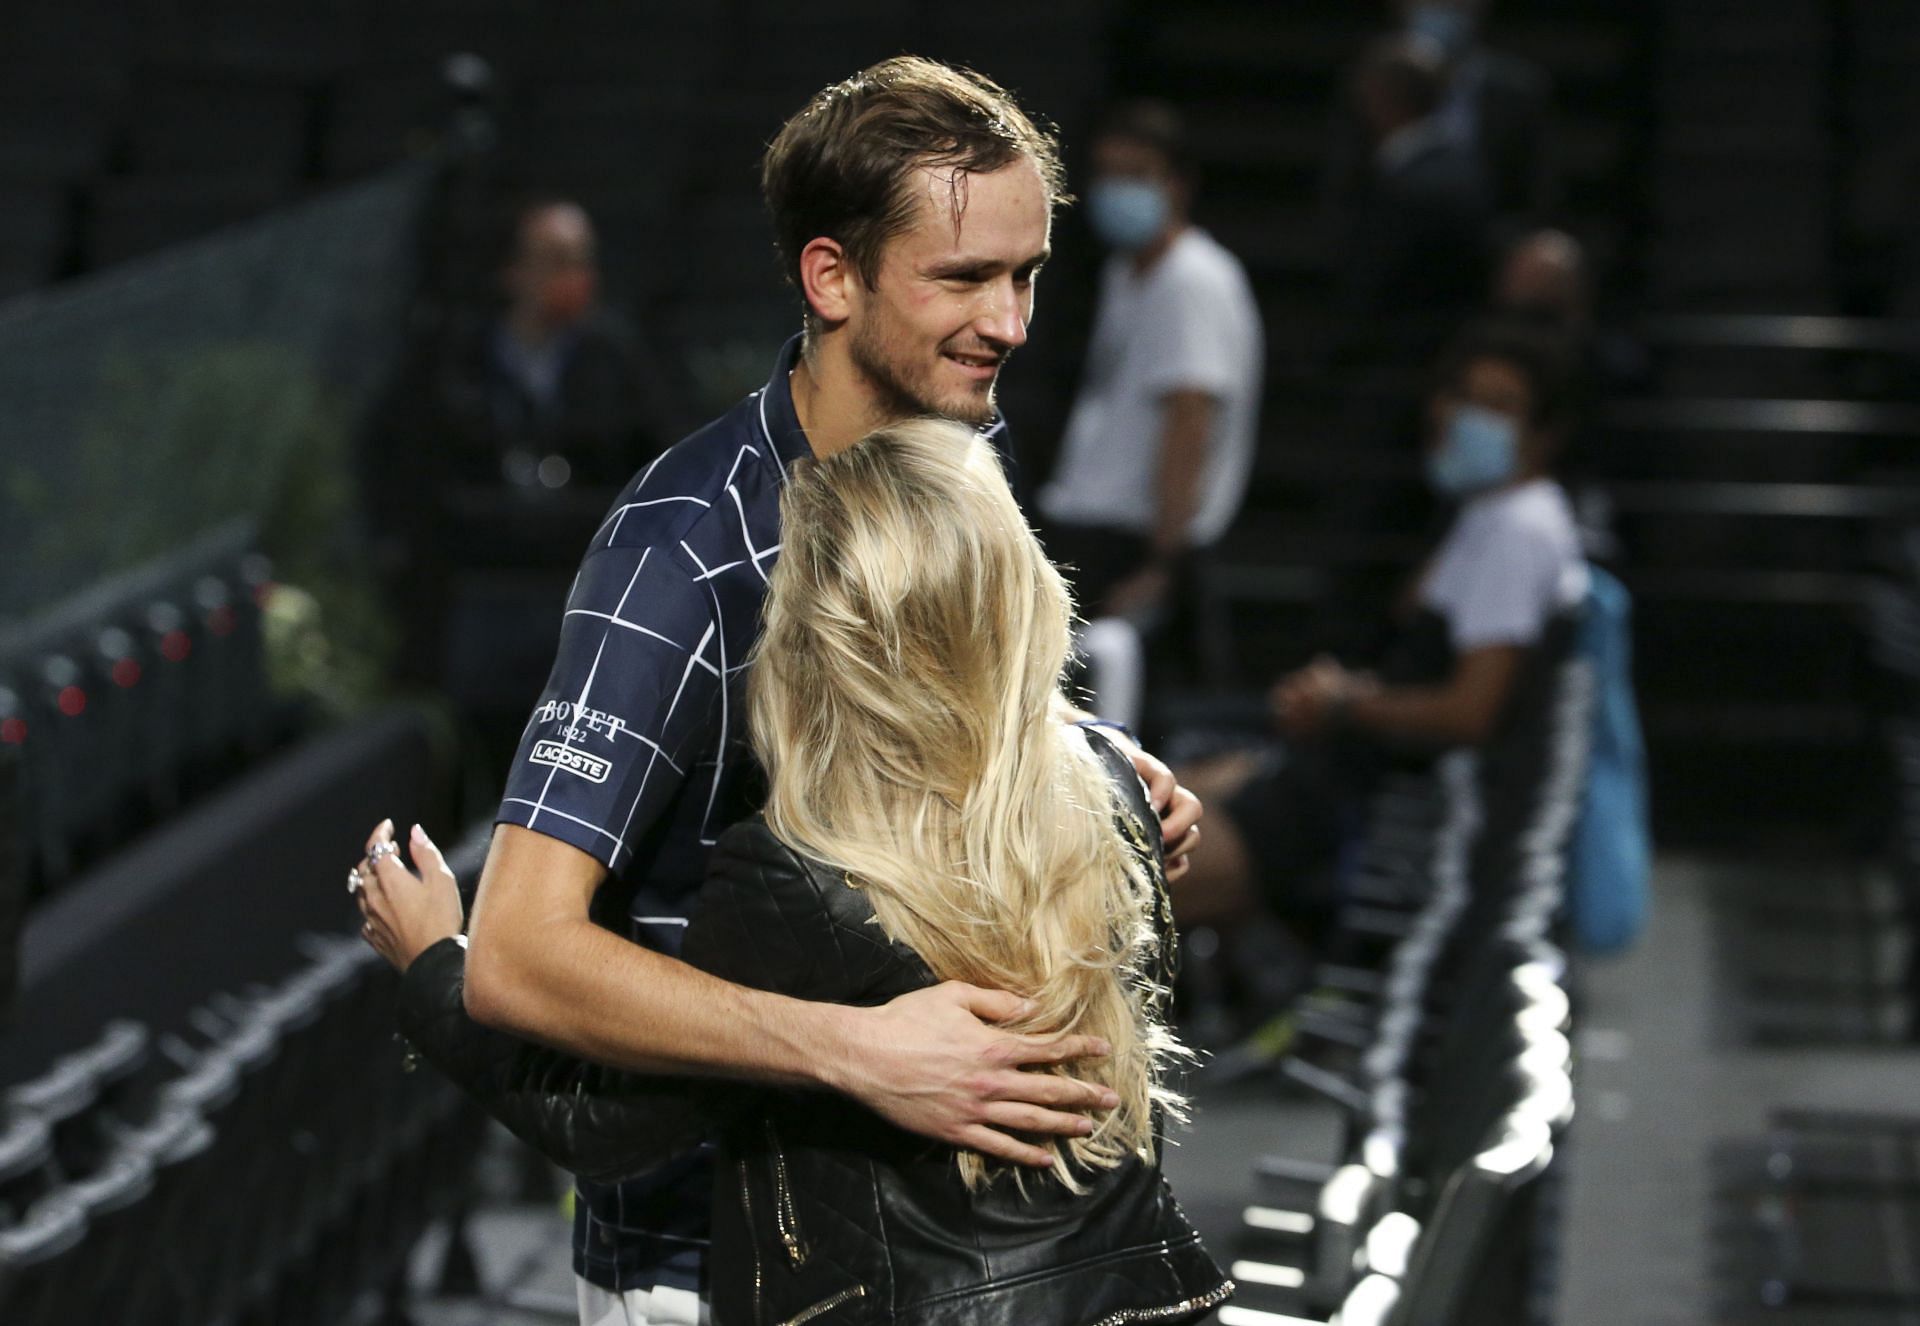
column 1501, row 105
column 1160, row 440
column 1509, row 564
column 1412, row 238
column 1544, row 276
column 499, row 447
column 931, row 814
column 549, row 389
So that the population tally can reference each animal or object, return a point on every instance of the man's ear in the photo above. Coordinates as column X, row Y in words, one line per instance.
column 826, row 277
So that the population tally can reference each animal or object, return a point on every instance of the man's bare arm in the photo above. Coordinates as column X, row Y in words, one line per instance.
column 539, row 967
column 1460, row 711
column 1186, row 432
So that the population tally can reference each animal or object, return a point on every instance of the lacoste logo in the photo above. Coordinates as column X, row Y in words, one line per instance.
column 576, row 762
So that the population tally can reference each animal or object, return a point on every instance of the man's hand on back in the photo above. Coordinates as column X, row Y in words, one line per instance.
column 930, row 1062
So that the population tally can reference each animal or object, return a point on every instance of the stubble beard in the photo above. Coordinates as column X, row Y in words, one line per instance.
column 900, row 397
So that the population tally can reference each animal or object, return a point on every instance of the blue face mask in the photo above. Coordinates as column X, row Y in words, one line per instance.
column 1448, row 26
column 1480, row 449
column 1127, row 215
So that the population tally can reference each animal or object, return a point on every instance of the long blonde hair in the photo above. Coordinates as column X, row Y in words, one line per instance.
column 905, row 700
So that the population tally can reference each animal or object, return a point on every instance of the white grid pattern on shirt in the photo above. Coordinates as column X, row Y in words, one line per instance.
column 707, row 835
column 613, row 618
column 697, row 656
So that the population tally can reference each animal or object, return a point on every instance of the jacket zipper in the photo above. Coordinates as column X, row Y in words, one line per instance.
column 1212, row 1299
column 753, row 1241
column 826, row 1305
column 785, row 1219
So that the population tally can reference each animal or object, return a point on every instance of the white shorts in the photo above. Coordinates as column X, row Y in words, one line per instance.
column 659, row 1306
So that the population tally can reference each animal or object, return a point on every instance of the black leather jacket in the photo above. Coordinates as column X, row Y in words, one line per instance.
column 822, row 1210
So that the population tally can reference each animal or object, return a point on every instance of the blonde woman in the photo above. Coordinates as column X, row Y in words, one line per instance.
column 931, row 815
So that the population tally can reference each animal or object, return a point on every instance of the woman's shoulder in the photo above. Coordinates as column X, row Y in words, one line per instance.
column 784, row 902
column 750, row 854
column 1132, row 805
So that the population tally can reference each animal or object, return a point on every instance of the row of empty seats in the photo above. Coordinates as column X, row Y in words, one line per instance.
column 119, row 704
column 270, row 1164
column 1815, row 1220
column 1439, row 1033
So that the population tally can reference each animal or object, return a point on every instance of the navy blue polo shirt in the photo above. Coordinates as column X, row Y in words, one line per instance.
column 637, row 751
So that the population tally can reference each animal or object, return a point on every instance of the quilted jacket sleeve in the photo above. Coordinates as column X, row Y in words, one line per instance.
column 769, row 919
column 597, row 1122
column 764, row 919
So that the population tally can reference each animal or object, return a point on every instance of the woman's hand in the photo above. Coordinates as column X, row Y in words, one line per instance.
column 1179, row 809
column 1306, row 703
column 406, row 914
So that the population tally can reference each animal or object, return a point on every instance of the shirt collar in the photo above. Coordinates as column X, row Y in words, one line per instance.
column 778, row 419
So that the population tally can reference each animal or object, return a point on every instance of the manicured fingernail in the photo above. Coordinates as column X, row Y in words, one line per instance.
column 1102, row 1047
column 1084, row 1127
column 419, row 834
column 1108, row 1100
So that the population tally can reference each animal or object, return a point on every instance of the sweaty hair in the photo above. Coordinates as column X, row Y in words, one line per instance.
column 905, row 702
column 843, row 166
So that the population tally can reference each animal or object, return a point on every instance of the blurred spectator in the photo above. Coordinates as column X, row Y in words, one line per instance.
column 1412, row 242
column 1160, row 439
column 1544, row 277
column 503, row 439
column 1501, row 105
column 1544, row 274
column 1509, row 563
column 550, row 389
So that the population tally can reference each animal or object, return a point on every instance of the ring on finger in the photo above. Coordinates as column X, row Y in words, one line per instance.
column 380, row 850
column 353, row 880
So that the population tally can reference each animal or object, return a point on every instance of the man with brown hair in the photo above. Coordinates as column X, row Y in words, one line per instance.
column 912, row 204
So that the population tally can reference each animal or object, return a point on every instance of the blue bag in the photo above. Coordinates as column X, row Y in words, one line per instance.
column 1608, row 892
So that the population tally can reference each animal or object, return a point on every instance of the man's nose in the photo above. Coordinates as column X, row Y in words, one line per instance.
column 1004, row 318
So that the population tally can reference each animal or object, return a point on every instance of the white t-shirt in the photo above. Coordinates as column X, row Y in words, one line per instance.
column 1189, row 324
column 1510, row 562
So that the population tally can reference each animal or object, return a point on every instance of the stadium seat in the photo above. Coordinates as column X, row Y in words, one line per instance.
column 32, row 1253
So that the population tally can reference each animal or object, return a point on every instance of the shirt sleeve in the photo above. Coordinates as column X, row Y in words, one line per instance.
column 1503, row 591
column 629, row 706
column 1190, row 347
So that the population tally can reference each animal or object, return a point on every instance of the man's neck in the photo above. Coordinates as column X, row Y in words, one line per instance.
column 530, row 330
column 834, row 406
column 1145, row 260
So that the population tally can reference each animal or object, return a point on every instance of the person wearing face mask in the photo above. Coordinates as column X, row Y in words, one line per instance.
column 1412, row 243
column 502, row 439
column 1509, row 566
column 548, row 390
column 1155, row 457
